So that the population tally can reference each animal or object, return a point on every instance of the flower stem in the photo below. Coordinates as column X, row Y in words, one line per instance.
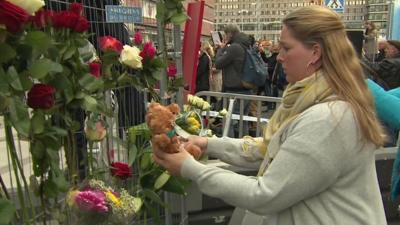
column 18, row 168
column 90, row 159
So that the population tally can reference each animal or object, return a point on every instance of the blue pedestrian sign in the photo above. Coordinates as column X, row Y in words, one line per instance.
column 123, row 14
column 335, row 5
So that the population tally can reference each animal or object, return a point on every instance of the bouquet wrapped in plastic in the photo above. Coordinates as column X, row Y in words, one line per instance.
column 96, row 203
column 190, row 121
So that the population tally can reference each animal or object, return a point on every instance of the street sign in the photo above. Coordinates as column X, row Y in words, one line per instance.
column 123, row 14
column 335, row 5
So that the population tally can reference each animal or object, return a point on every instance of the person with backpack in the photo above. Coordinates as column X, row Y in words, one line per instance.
column 230, row 59
column 388, row 70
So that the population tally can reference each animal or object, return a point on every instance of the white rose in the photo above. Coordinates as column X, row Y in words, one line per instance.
column 190, row 99
column 130, row 57
column 223, row 112
column 206, row 106
column 198, row 102
column 31, row 6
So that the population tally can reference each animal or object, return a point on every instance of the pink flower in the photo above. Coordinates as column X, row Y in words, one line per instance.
column 149, row 51
column 108, row 42
column 95, row 69
column 76, row 8
column 171, row 70
column 138, row 38
column 91, row 201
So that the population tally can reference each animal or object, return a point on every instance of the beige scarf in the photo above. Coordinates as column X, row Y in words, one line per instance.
column 297, row 98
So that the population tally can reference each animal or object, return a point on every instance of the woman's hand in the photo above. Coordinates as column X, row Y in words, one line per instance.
column 201, row 142
column 171, row 161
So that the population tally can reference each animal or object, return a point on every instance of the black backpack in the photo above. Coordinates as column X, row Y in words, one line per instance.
column 255, row 70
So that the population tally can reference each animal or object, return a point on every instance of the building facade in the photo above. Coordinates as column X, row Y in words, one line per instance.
column 261, row 18
column 378, row 13
column 354, row 14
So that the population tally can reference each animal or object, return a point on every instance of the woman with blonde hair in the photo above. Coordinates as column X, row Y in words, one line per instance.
column 316, row 162
column 370, row 40
column 204, row 67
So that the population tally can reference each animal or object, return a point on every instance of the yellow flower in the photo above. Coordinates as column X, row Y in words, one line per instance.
column 130, row 57
column 193, row 122
column 71, row 197
column 112, row 198
column 31, row 6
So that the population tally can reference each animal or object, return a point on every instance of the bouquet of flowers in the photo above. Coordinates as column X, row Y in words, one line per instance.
column 97, row 203
column 190, row 121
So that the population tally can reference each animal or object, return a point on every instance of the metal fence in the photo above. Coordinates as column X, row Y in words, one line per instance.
column 128, row 103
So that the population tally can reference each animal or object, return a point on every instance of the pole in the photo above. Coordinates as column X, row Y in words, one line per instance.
column 178, row 61
column 163, row 50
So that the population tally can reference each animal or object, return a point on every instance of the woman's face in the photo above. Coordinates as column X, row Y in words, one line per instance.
column 391, row 51
column 294, row 57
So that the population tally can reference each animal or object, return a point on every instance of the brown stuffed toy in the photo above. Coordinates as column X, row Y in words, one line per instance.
column 161, row 120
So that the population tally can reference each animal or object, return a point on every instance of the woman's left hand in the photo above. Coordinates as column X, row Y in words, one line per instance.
column 171, row 161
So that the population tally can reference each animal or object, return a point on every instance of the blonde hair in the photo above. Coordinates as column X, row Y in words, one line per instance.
column 340, row 64
column 206, row 47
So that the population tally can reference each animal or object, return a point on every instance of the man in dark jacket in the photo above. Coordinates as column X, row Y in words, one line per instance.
column 230, row 59
column 389, row 69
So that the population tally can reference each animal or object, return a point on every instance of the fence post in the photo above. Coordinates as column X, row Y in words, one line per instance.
column 178, row 61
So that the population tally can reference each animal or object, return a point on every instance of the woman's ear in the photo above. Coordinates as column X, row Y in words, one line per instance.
column 317, row 52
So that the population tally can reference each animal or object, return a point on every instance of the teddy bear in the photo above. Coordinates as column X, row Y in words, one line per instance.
column 161, row 121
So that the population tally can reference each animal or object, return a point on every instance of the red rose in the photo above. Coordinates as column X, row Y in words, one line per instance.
column 138, row 38
column 41, row 96
column 42, row 18
column 95, row 69
column 82, row 25
column 12, row 16
column 76, row 8
column 65, row 19
column 149, row 51
column 108, row 42
column 121, row 170
column 171, row 70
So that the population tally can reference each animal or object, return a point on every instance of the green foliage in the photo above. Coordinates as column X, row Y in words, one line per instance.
column 7, row 211
column 171, row 11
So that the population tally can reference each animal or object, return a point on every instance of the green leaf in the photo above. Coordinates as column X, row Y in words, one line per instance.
column 154, row 213
column 160, row 11
column 69, row 53
column 7, row 211
column 38, row 150
column 90, row 82
column 162, row 180
column 179, row 18
column 42, row 67
column 25, row 80
column 39, row 41
column 132, row 154
column 154, row 197
column 50, row 189
column 4, row 86
column 13, row 79
column 145, row 161
column 176, row 185
column 38, row 121
column 19, row 116
column 89, row 103
column 7, row 53
column 60, row 181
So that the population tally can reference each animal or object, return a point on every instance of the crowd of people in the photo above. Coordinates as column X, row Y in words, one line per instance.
column 316, row 158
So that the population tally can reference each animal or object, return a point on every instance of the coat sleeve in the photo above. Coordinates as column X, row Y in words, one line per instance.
column 227, row 55
column 309, row 161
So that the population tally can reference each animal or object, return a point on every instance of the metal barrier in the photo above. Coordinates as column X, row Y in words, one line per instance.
column 229, row 99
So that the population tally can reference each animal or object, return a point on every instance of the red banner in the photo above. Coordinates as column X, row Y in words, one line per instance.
column 191, row 43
